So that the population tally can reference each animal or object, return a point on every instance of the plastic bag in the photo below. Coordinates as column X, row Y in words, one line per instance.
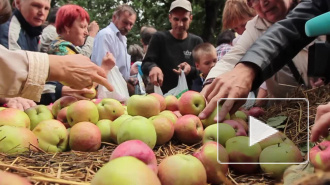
column 180, row 88
column 158, row 90
column 119, row 84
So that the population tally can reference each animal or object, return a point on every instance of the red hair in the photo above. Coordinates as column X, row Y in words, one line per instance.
column 67, row 14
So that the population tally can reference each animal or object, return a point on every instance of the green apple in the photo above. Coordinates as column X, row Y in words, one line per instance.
column 276, row 138
column 143, row 105
column 110, row 109
column 279, row 153
column 164, row 129
column 191, row 102
column 104, row 126
column 37, row 114
column 64, row 101
column 172, row 103
column 139, row 128
column 239, row 114
column 189, row 129
column 2, row 108
column 16, row 140
column 225, row 132
column 161, row 100
column 52, row 136
column 90, row 95
column 7, row 178
column 82, row 110
column 240, row 151
column 125, row 170
column 208, row 156
column 85, row 137
column 116, row 125
column 181, row 169
column 210, row 120
column 169, row 115
column 14, row 117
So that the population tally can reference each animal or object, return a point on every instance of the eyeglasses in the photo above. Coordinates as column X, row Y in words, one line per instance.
column 253, row 3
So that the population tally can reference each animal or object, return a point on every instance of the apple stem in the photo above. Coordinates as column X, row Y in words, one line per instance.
column 322, row 147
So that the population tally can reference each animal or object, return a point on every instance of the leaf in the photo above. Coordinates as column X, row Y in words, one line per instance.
column 276, row 121
column 281, row 126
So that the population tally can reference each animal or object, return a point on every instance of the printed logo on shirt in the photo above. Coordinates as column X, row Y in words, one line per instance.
column 187, row 54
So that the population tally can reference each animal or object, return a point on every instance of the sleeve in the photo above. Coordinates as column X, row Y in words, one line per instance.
column 152, row 55
column 87, row 48
column 23, row 73
column 102, row 45
column 283, row 40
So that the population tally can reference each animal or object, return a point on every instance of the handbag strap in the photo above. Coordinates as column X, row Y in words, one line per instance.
column 296, row 73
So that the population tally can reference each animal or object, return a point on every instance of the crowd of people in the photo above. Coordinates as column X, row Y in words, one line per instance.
column 262, row 46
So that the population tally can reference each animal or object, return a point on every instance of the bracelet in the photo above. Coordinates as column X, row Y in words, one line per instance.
column 208, row 81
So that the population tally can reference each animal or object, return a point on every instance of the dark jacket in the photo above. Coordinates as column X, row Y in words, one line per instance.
column 283, row 40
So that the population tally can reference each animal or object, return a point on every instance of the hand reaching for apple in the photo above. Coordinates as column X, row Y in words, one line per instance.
column 183, row 66
column 18, row 103
column 93, row 28
column 108, row 62
column 156, row 76
column 77, row 93
column 322, row 122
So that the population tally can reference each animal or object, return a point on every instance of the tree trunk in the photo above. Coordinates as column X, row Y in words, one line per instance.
column 212, row 8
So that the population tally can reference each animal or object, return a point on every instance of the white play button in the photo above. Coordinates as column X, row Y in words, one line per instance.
column 259, row 130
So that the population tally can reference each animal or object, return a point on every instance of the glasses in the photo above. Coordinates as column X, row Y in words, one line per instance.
column 253, row 3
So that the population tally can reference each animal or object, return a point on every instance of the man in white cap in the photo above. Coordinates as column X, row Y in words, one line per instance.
column 169, row 52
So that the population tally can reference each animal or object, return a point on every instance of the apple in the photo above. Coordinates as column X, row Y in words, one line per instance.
column 181, row 169
column 161, row 100
column 125, row 170
column 52, row 136
column 7, row 178
column 225, row 132
column 137, row 128
column 239, row 129
column 82, row 110
column 256, row 112
column 137, row 149
column 96, row 100
column 210, row 120
column 243, row 123
column 239, row 151
column 279, row 153
column 164, row 128
column 85, row 137
column 191, row 102
column 50, row 108
column 2, row 108
column 90, row 95
column 62, row 102
column 143, row 105
column 319, row 156
column 61, row 116
column 239, row 114
column 115, row 125
column 37, row 114
column 16, row 140
column 169, row 115
column 189, row 129
column 104, row 126
column 177, row 113
column 172, row 103
column 14, row 117
column 110, row 109
column 276, row 138
column 208, row 156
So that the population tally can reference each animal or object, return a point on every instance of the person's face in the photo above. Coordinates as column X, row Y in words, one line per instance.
column 240, row 26
column 271, row 10
column 77, row 33
column 5, row 11
column 206, row 62
column 124, row 22
column 34, row 12
column 180, row 20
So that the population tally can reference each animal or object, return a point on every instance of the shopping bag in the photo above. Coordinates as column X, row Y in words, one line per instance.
column 119, row 84
column 180, row 88
column 158, row 90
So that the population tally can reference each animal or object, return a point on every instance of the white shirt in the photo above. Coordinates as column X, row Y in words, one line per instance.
column 110, row 39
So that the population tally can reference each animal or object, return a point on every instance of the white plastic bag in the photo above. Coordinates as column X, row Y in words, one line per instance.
column 119, row 84
column 158, row 90
column 180, row 88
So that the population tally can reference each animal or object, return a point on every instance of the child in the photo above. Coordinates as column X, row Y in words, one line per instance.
column 205, row 57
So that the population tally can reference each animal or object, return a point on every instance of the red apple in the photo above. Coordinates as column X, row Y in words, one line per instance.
column 256, row 112
column 85, row 137
column 191, row 102
column 189, row 129
column 82, row 110
column 61, row 116
column 14, row 117
column 137, row 149
column 320, row 156
column 64, row 101
column 239, row 129
column 243, row 123
column 172, row 103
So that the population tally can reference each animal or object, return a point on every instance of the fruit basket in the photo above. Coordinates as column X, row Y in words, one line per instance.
column 78, row 168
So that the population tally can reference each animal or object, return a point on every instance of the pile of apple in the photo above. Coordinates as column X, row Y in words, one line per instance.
column 146, row 121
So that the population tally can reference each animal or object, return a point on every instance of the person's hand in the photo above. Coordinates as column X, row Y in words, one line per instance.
column 77, row 93
column 183, row 66
column 77, row 71
column 233, row 84
column 322, row 122
column 93, row 28
column 156, row 76
column 108, row 62
column 19, row 103
column 316, row 82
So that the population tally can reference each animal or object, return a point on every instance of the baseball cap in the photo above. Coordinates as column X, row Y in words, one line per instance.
column 185, row 4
